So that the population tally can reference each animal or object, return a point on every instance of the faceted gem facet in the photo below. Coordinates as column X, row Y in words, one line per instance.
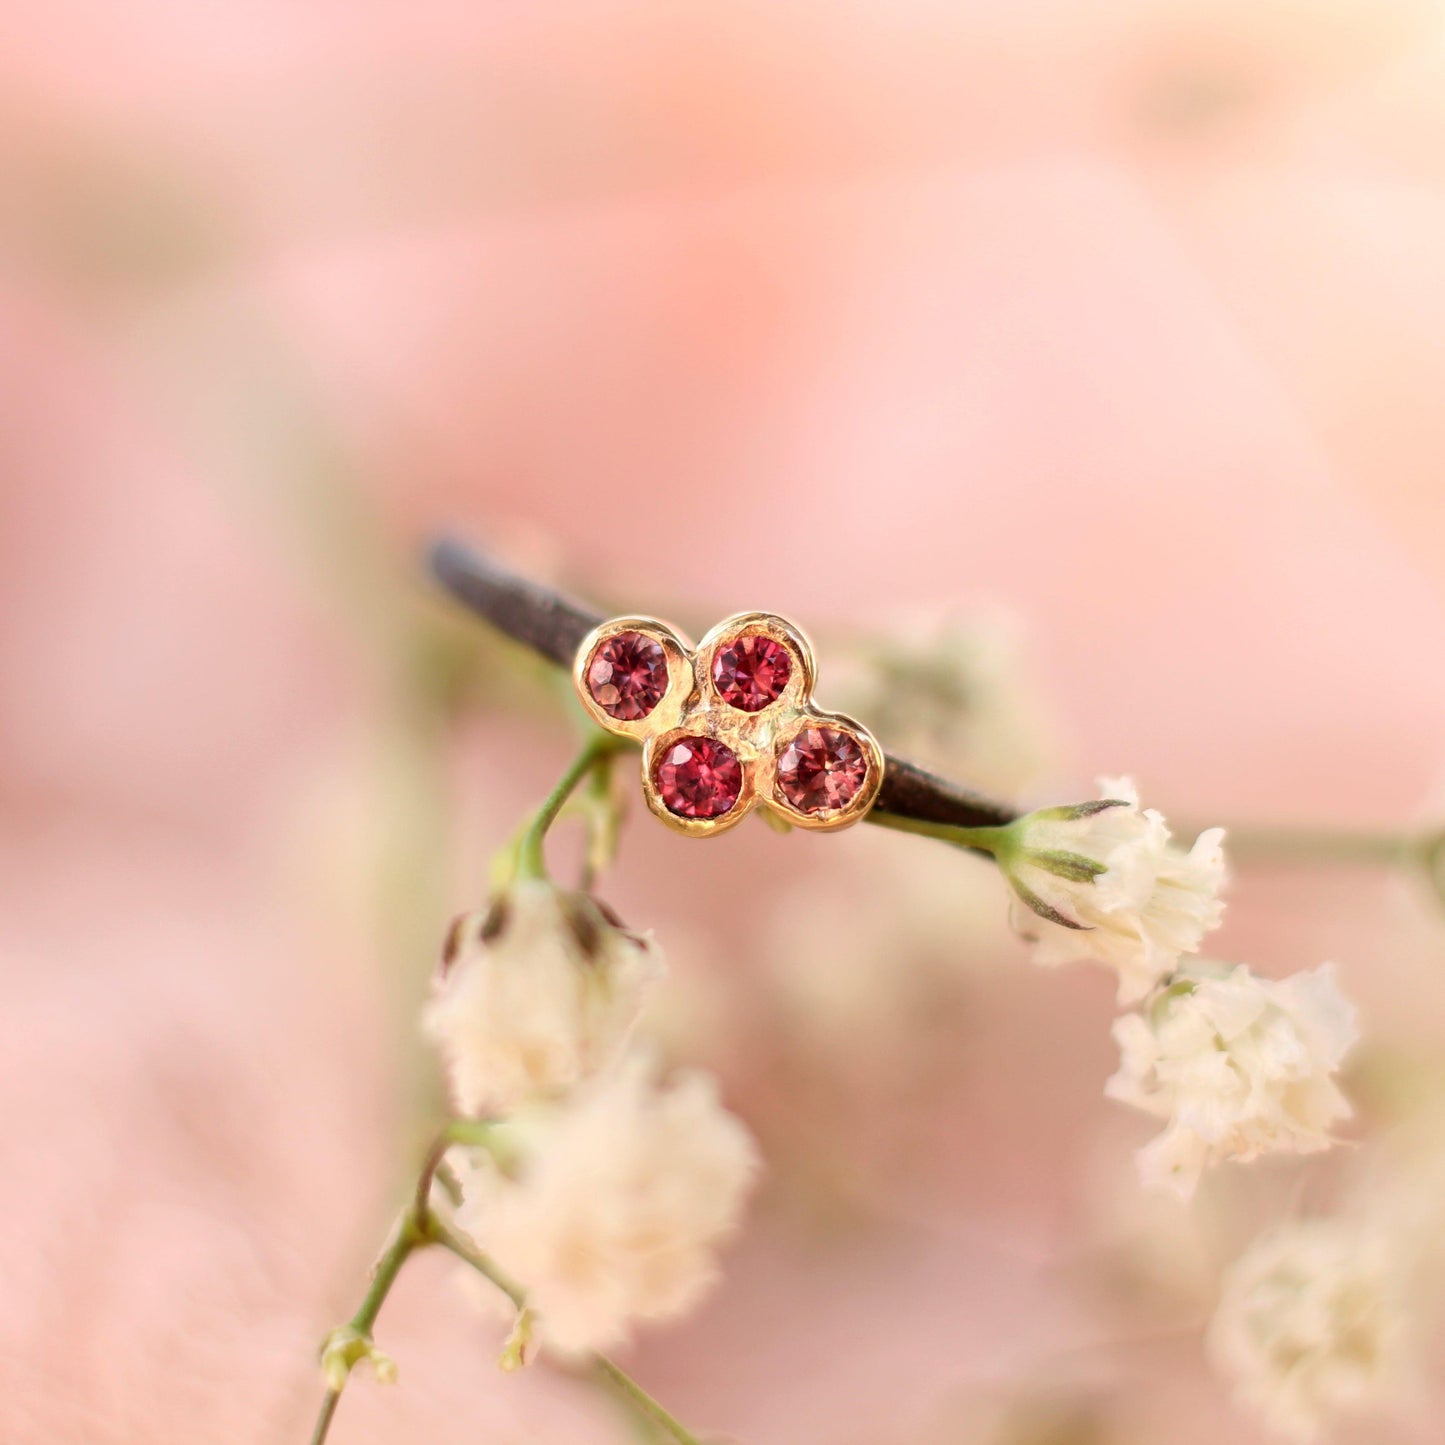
column 751, row 671
column 698, row 778
column 821, row 770
column 628, row 676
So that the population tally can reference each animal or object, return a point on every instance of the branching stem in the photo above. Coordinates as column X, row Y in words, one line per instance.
column 419, row 1227
column 406, row 1238
column 531, row 853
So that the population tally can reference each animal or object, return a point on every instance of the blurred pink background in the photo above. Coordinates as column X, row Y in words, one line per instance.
column 1124, row 318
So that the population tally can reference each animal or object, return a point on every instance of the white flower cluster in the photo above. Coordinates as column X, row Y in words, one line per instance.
column 612, row 1191
column 1237, row 1066
column 1103, row 881
column 1311, row 1323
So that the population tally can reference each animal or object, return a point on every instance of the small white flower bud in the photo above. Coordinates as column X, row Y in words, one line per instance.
column 540, row 991
column 1101, row 880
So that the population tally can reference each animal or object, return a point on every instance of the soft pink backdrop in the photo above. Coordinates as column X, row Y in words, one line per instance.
column 1127, row 317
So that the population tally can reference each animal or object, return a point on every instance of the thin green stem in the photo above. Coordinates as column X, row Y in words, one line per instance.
column 1422, row 852
column 531, row 855
column 616, row 1379
column 637, row 1399
column 416, row 1229
column 983, row 840
column 475, row 1133
column 323, row 1420
column 420, row 1226
column 603, row 820
column 406, row 1238
column 421, row 1200
column 456, row 1244
column 1322, row 845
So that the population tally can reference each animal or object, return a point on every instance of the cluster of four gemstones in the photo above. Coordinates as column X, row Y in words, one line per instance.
column 729, row 725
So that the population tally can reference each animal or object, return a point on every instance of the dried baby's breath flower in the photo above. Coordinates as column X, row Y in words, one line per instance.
column 614, row 1205
column 1237, row 1065
column 540, row 991
column 1101, row 880
column 1312, row 1323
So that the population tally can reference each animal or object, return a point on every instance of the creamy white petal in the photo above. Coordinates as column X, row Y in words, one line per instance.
column 541, row 991
column 1147, row 903
column 1239, row 1065
column 616, row 1206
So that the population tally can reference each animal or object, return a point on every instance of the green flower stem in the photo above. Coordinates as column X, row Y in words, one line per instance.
column 475, row 1133
column 1308, row 846
column 531, row 859
column 420, row 1227
column 1322, row 845
column 323, row 1421
column 431, row 1164
column 641, row 1403
column 603, row 821
column 992, row 840
column 1423, row 853
column 471, row 1134
column 406, row 1238
column 458, row 1245
column 651, row 1411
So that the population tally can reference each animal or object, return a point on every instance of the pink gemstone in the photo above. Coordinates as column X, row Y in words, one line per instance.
column 751, row 671
column 628, row 676
column 821, row 770
column 698, row 778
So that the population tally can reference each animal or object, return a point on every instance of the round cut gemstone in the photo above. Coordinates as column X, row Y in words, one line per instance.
column 628, row 676
column 751, row 671
column 698, row 778
column 821, row 770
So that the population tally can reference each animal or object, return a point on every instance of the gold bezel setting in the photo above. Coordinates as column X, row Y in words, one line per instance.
column 826, row 820
column 690, row 706
column 678, row 657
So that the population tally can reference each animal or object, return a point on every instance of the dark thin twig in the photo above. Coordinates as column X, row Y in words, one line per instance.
column 554, row 625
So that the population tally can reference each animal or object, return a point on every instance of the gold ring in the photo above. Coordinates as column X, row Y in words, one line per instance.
column 729, row 725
